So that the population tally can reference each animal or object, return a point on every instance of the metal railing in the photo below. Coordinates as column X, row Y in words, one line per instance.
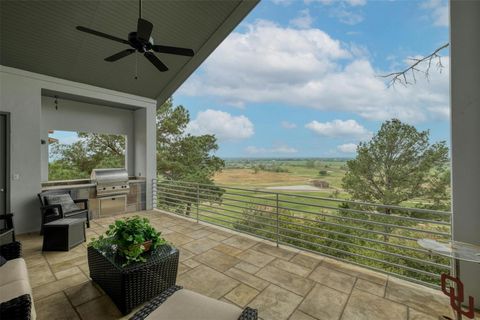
column 376, row 236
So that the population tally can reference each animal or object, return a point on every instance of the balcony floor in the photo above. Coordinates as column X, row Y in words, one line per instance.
column 281, row 283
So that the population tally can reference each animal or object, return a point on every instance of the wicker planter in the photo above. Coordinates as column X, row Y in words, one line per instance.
column 135, row 283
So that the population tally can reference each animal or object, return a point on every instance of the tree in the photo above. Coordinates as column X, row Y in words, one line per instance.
column 396, row 165
column 182, row 157
column 92, row 150
column 421, row 65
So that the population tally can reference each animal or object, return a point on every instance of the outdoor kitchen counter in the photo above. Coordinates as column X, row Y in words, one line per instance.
column 67, row 186
column 86, row 189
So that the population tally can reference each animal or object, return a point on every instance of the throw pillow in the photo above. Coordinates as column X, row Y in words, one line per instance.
column 64, row 200
column 2, row 261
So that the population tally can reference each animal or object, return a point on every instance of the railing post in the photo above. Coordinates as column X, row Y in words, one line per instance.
column 277, row 213
column 198, row 198
column 154, row 193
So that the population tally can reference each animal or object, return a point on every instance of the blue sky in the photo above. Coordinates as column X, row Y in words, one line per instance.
column 300, row 78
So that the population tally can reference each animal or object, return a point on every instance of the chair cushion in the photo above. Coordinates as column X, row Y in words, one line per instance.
column 13, row 270
column 63, row 199
column 187, row 305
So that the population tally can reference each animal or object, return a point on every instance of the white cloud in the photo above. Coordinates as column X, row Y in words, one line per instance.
column 339, row 128
column 288, row 125
column 222, row 124
column 346, row 16
column 439, row 13
column 353, row 3
column 308, row 68
column 347, row 148
column 303, row 21
column 282, row 2
column 282, row 149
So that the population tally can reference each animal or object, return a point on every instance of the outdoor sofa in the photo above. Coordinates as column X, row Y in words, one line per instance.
column 177, row 303
column 16, row 302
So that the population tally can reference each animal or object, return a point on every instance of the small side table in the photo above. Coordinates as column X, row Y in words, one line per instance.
column 458, row 251
column 131, row 285
column 63, row 234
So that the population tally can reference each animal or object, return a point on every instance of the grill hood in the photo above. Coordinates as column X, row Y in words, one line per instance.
column 110, row 181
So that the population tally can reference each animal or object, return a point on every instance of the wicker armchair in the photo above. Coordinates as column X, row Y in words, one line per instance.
column 20, row 307
column 191, row 306
column 52, row 212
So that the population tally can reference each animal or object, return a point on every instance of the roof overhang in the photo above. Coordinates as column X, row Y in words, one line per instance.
column 40, row 37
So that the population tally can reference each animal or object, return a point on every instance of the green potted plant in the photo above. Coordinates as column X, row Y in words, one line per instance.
column 130, row 238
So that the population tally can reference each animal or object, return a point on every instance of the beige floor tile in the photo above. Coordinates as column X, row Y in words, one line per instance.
column 228, row 249
column 422, row 298
column 247, row 267
column 100, row 308
column 291, row 267
column 247, row 278
column 240, row 242
column 324, row 303
column 242, row 295
column 256, row 258
column 417, row 315
column 218, row 237
column 365, row 306
column 217, row 260
column 67, row 264
column 370, row 287
column 185, row 254
column 82, row 293
column 53, row 287
column 275, row 303
column 67, row 272
column 177, row 239
column 299, row 315
column 306, row 260
column 333, row 279
column 198, row 234
column 286, row 280
column 182, row 268
column 199, row 246
column 40, row 274
column 355, row 271
column 55, row 307
column 191, row 263
column 274, row 251
column 207, row 281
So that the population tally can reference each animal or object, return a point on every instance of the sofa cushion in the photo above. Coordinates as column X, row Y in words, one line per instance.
column 63, row 199
column 13, row 270
column 186, row 305
column 15, row 289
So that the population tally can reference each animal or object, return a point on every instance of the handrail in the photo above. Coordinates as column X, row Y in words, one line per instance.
column 359, row 234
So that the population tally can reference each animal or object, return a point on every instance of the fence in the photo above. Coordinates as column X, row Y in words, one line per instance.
column 380, row 237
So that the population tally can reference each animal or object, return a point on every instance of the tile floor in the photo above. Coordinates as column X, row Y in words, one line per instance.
column 281, row 283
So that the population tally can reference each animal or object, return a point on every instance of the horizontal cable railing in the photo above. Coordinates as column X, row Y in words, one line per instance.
column 377, row 236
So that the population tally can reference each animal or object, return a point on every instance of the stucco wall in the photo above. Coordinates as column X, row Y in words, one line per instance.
column 86, row 117
column 21, row 96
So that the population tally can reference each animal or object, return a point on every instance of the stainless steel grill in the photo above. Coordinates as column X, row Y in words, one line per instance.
column 110, row 182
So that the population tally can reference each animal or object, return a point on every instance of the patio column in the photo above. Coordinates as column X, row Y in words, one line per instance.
column 465, row 121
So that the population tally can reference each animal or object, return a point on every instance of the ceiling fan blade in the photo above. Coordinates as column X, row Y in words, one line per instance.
column 155, row 61
column 173, row 50
column 120, row 55
column 101, row 34
column 144, row 29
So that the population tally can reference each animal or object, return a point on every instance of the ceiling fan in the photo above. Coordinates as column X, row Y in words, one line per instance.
column 142, row 42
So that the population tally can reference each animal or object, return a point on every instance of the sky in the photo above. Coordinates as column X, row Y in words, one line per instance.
column 300, row 78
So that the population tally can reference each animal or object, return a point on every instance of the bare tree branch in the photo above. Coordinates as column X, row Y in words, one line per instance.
column 407, row 76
